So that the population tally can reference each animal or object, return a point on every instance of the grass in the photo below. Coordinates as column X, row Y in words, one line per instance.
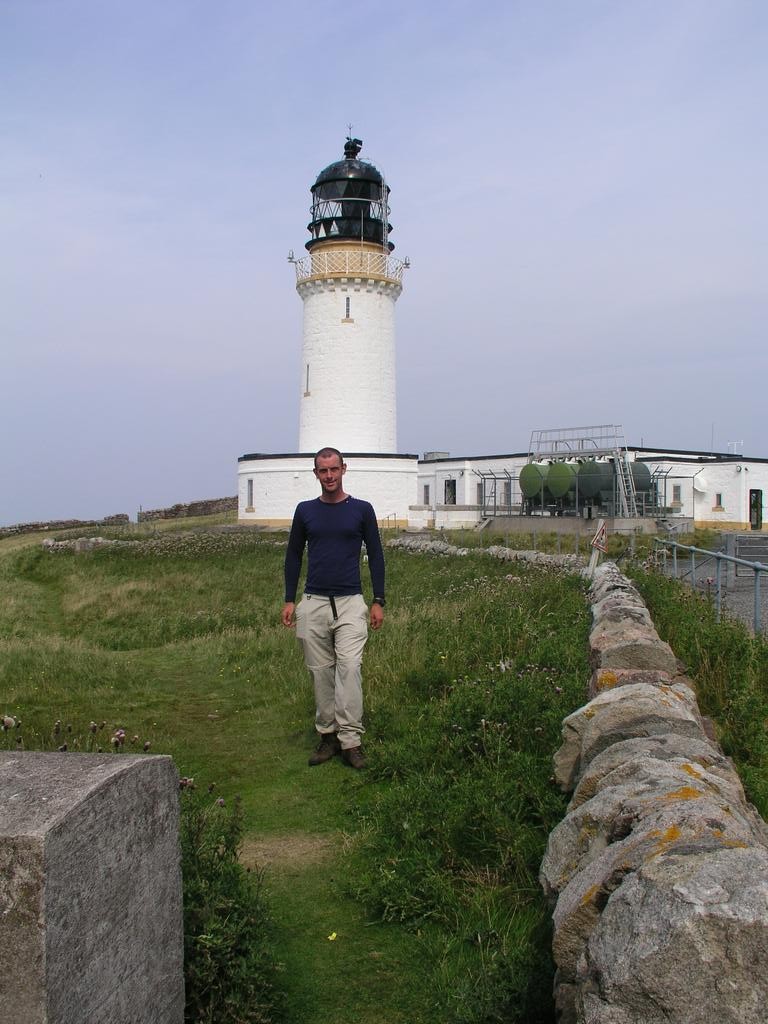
column 415, row 882
column 177, row 641
column 730, row 669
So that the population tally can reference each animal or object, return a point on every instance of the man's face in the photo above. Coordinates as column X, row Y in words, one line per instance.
column 329, row 471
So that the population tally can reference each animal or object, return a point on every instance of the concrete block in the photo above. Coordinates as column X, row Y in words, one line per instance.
column 91, row 904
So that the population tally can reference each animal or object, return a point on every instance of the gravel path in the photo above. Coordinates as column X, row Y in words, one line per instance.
column 738, row 601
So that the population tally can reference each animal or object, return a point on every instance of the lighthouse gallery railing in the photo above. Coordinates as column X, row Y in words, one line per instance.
column 349, row 263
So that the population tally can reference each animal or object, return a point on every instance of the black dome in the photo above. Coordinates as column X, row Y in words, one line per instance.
column 349, row 169
column 349, row 202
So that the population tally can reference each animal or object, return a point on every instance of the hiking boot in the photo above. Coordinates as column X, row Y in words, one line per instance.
column 327, row 748
column 353, row 756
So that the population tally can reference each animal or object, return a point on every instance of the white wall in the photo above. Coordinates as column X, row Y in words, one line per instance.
column 700, row 484
column 279, row 484
column 350, row 403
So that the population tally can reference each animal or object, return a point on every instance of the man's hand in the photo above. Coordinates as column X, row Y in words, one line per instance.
column 377, row 616
column 287, row 616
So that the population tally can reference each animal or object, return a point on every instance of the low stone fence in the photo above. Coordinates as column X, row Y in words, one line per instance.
column 659, row 872
column 205, row 507
column 63, row 524
column 439, row 547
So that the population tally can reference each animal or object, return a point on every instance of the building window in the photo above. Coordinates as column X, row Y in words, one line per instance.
column 450, row 492
column 507, row 493
column 719, row 501
column 480, row 493
column 677, row 494
column 249, row 501
column 426, row 494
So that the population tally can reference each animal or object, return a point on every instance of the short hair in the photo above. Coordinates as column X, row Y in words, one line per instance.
column 325, row 453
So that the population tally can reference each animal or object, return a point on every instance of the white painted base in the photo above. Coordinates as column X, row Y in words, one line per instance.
column 280, row 482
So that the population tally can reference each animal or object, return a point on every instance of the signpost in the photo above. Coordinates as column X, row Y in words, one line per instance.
column 599, row 544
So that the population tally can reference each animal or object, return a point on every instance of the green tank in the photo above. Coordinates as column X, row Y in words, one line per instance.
column 561, row 479
column 594, row 477
column 532, row 478
column 641, row 476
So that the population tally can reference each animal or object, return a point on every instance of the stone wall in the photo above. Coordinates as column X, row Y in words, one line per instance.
column 90, row 901
column 204, row 507
column 659, row 872
column 63, row 524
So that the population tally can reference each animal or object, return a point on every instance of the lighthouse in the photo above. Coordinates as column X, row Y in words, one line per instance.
column 349, row 283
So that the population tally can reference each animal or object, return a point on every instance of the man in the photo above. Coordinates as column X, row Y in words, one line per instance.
column 332, row 618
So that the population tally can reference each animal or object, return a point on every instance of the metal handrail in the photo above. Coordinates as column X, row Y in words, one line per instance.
column 349, row 263
column 757, row 568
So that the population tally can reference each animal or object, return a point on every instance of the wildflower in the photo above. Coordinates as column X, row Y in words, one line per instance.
column 93, row 727
column 332, row 937
column 134, row 739
column 220, row 802
column 62, row 748
column 8, row 722
column 57, row 727
column 146, row 747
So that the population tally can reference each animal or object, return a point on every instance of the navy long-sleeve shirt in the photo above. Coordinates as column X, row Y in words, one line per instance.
column 334, row 533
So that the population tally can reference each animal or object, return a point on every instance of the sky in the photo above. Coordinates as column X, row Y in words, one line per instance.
column 580, row 187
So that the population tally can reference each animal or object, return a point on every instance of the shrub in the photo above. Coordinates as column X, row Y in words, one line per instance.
column 230, row 975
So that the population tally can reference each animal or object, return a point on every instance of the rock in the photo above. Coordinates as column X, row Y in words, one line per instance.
column 610, row 678
column 683, row 939
column 635, row 646
column 638, row 709
column 656, row 804
column 664, row 747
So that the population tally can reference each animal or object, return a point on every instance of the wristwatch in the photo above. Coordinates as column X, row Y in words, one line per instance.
column 379, row 601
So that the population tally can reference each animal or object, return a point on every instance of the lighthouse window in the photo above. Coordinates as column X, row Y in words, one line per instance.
column 306, row 386
column 347, row 318
column 250, row 493
column 347, row 301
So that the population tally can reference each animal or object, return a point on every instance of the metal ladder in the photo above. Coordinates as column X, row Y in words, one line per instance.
column 625, row 486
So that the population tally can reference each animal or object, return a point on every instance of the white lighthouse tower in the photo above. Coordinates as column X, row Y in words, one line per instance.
column 349, row 283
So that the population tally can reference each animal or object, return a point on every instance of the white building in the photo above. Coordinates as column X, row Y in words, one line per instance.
column 349, row 284
column 706, row 489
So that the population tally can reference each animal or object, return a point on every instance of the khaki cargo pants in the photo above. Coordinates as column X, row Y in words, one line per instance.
column 333, row 653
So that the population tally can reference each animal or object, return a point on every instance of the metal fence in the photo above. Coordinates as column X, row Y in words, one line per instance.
column 717, row 582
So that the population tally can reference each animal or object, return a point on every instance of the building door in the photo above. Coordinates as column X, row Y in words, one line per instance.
column 756, row 510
